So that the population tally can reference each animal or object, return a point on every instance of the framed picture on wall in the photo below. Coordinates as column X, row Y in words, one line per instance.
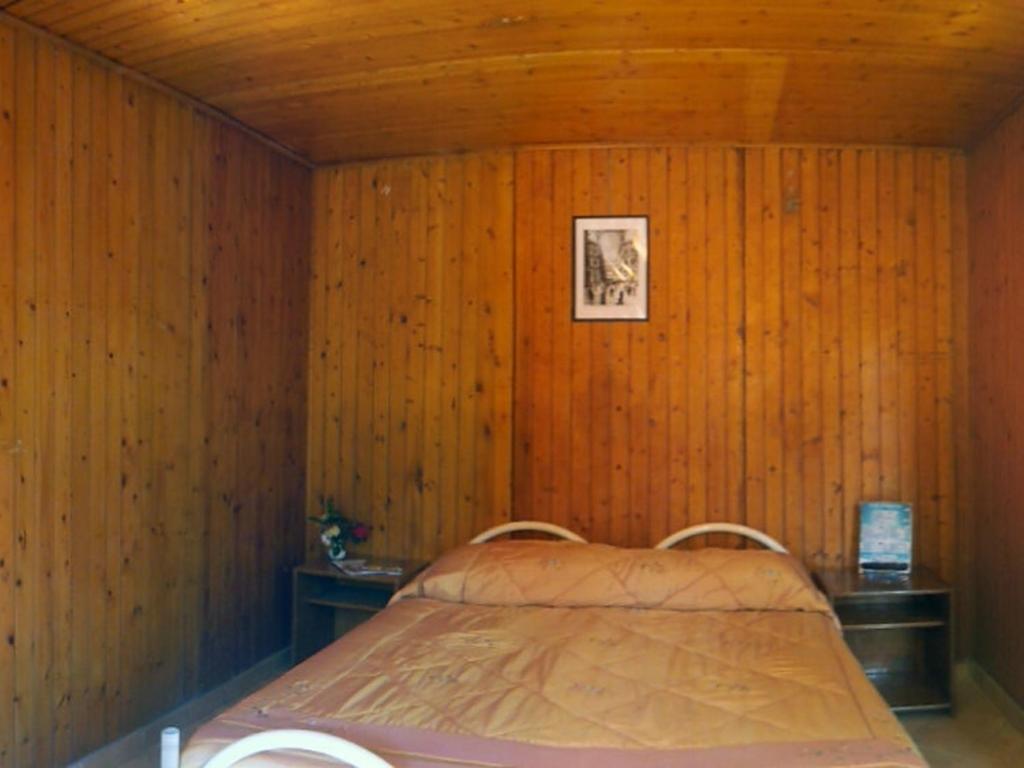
column 610, row 274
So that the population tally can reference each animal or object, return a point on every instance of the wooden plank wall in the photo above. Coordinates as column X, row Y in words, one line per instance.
column 153, row 277
column 996, row 209
column 410, row 383
column 799, row 356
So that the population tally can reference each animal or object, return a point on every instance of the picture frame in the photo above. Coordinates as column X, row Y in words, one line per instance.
column 611, row 275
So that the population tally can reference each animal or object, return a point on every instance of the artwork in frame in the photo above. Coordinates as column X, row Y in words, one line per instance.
column 610, row 261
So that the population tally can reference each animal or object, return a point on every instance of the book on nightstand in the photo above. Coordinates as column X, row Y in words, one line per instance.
column 367, row 568
column 886, row 537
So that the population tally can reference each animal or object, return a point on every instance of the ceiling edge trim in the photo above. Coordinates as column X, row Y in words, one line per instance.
column 667, row 144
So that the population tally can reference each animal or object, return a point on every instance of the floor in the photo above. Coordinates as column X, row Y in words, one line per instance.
column 141, row 748
column 978, row 736
column 150, row 756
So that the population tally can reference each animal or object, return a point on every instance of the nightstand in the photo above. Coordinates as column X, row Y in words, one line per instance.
column 326, row 603
column 898, row 627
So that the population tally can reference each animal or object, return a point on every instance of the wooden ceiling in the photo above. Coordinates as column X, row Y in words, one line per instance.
column 347, row 79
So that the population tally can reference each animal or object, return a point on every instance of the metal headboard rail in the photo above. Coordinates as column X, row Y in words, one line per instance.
column 527, row 526
column 705, row 528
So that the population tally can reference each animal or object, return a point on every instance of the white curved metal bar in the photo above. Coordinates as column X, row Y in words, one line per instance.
column 740, row 530
column 295, row 739
column 527, row 525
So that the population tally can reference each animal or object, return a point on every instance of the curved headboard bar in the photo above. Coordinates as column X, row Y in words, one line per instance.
column 527, row 525
column 740, row 530
column 343, row 751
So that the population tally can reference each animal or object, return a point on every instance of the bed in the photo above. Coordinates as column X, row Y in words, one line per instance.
column 563, row 653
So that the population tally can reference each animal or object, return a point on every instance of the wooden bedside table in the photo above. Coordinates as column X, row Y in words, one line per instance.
column 326, row 603
column 898, row 627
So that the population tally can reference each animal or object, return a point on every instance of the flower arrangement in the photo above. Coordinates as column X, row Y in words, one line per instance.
column 336, row 530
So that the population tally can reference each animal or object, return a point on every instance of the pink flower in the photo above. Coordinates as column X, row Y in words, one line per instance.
column 360, row 532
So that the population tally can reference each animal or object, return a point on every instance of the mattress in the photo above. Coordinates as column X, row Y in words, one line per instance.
column 561, row 654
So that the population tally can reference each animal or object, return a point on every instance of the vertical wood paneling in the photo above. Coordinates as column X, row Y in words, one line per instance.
column 499, row 295
column 469, row 411
column 561, row 359
column 115, row 274
column 410, row 228
column 318, row 340
column 145, row 400
column 906, row 287
column 793, row 365
column 658, row 375
column 733, row 458
column 963, row 413
column 638, row 397
column 8, row 444
column 851, row 417
column 927, row 512
column 79, row 267
column 618, row 367
column 697, row 353
column 379, row 394
column 362, row 480
column 996, row 283
column 804, row 298
column 450, row 345
column 538, row 264
column 888, row 323
column 582, row 498
column 791, row 336
column 433, row 254
column 867, row 257
column 411, row 348
column 597, row 422
column 945, row 451
column 811, row 356
column 244, row 536
column 45, row 171
column 197, row 532
column 63, row 461
column 774, row 459
column 348, row 274
column 832, row 510
column 27, row 664
column 754, row 338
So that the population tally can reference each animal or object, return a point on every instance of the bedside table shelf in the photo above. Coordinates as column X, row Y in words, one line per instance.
column 910, row 692
column 888, row 614
column 898, row 627
column 327, row 603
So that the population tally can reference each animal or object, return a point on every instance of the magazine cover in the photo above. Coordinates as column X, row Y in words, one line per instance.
column 886, row 536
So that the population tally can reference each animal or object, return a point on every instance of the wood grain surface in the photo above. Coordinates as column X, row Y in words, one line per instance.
column 153, row 305
column 369, row 79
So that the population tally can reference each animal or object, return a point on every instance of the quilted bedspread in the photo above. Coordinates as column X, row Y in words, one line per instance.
column 560, row 654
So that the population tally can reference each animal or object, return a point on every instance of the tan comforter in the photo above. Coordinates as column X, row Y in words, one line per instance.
column 559, row 654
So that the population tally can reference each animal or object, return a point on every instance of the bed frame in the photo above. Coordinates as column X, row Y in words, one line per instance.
column 706, row 528
column 295, row 739
column 352, row 754
column 527, row 525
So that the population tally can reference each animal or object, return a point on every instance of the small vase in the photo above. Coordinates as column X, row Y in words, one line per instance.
column 336, row 555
